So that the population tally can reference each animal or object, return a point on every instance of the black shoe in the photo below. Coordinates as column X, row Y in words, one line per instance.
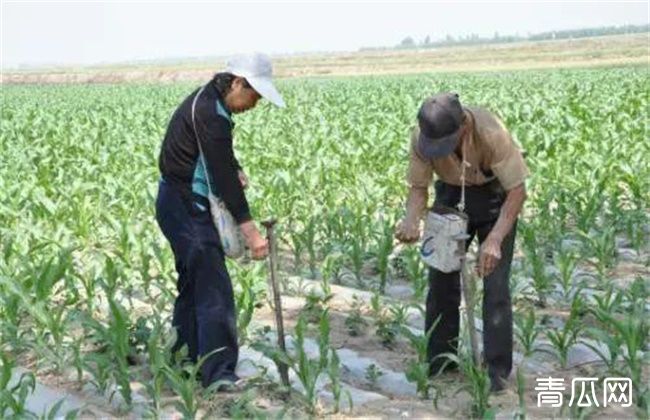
column 497, row 384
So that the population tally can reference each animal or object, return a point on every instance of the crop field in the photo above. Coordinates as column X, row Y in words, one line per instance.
column 87, row 280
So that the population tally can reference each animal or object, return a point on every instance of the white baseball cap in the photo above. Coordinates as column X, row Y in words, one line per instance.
column 257, row 70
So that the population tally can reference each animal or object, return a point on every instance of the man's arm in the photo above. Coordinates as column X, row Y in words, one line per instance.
column 408, row 230
column 491, row 247
column 507, row 163
column 420, row 173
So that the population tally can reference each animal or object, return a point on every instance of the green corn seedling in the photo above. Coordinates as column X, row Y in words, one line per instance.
column 297, row 248
column 634, row 331
column 609, row 302
column 373, row 373
column 535, row 256
column 13, row 399
column 309, row 241
column 603, row 247
column 418, row 370
column 566, row 263
column 384, row 250
column 613, row 343
column 478, row 387
column 357, row 255
column 115, row 337
column 355, row 322
column 415, row 271
column 527, row 330
column 331, row 267
column 307, row 370
column 565, row 337
column 184, row 383
column 334, row 374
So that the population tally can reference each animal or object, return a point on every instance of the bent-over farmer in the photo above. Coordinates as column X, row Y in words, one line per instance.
column 447, row 135
column 204, row 312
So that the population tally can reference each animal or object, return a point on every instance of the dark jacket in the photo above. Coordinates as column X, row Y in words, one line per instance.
column 179, row 161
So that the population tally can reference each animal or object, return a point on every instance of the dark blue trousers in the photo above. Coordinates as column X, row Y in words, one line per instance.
column 204, row 311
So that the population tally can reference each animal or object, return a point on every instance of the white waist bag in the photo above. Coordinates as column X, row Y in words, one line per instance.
column 229, row 232
column 443, row 240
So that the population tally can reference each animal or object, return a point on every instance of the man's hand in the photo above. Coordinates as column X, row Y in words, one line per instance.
column 407, row 231
column 258, row 245
column 489, row 257
column 243, row 178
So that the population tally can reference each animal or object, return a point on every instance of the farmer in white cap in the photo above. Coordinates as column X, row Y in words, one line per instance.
column 204, row 312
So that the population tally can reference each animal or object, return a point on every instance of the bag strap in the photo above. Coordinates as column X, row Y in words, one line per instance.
column 198, row 142
column 463, row 165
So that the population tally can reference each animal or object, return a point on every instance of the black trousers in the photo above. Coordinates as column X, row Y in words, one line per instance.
column 443, row 300
column 204, row 311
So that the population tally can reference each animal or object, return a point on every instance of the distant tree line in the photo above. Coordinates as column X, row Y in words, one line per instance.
column 474, row 39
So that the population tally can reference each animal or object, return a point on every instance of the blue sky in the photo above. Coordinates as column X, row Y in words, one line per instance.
column 84, row 33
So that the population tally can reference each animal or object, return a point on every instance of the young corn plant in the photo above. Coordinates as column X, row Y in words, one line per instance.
column 612, row 342
column 50, row 321
column 357, row 255
column 156, row 383
column 355, row 323
column 527, row 330
column 373, row 373
column 418, row 370
column 566, row 264
column 590, row 207
column 608, row 302
column 388, row 328
column 249, row 295
column 309, row 370
column 565, row 337
column 10, row 314
column 637, row 295
column 388, row 323
column 297, row 247
column 309, row 238
column 636, row 236
column 334, row 375
column 383, row 252
column 316, row 302
column 535, row 256
column 634, row 331
column 331, row 267
column 415, row 271
column 100, row 369
column 478, row 386
column 183, row 382
column 13, row 399
column 603, row 247
column 114, row 337
column 77, row 358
